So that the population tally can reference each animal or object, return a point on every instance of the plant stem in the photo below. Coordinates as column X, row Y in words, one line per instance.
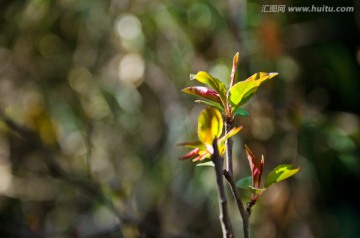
column 245, row 214
column 225, row 222
column 228, row 145
column 228, row 173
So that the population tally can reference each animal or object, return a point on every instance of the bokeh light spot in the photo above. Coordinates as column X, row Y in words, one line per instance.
column 131, row 69
column 128, row 27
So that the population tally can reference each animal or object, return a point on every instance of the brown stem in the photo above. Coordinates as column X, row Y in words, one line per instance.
column 245, row 214
column 224, row 214
column 228, row 173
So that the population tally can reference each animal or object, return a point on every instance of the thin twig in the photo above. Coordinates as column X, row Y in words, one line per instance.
column 224, row 214
column 228, row 145
column 245, row 214
column 228, row 173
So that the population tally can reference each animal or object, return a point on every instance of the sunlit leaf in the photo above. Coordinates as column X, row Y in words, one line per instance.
column 280, row 173
column 241, row 112
column 231, row 133
column 202, row 155
column 212, row 104
column 191, row 154
column 192, row 144
column 209, row 163
column 241, row 92
column 212, row 82
column 203, row 92
column 210, row 125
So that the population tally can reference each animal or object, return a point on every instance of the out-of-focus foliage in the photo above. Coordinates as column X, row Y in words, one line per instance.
column 99, row 82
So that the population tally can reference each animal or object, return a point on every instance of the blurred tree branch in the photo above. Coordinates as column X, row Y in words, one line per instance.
column 88, row 186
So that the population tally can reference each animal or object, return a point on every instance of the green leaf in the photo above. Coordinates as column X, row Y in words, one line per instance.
column 257, row 191
column 280, row 173
column 209, row 163
column 203, row 92
column 212, row 104
column 241, row 92
column 244, row 183
column 212, row 82
column 241, row 112
column 210, row 125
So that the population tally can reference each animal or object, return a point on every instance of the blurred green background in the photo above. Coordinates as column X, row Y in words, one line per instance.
column 99, row 83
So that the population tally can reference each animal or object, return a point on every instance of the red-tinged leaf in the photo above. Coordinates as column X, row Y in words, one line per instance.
column 212, row 82
column 193, row 144
column 255, row 166
column 201, row 157
column 191, row 154
column 233, row 70
column 241, row 92
column 262, row 163
column 203, row 92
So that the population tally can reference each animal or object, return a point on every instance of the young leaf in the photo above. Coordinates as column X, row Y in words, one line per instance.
column 209, row 163
column 212, row 104
column 241, row 92
column 241, row 112
column 255, row 166
column 231, row 133
column 233, row 70
column 210, row 125
column 257, row 191
column 280, row 173
column 202, row 155
column 203, row 92
column 244, row 183
column 193, row 144
column 212, row 82
column 191, row 154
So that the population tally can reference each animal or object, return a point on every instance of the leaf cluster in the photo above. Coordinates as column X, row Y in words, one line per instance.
column 227, row 100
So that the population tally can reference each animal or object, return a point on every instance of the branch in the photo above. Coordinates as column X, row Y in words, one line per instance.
column 245, row 214
column 228, row 173
column 224, row 214
column 228, row 145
